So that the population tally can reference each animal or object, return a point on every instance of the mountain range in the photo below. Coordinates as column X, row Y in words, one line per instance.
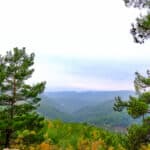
column 93, row 107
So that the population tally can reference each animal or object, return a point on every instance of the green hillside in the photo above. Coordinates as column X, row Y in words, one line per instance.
column 103, row 115
column 57, row 135
column 50, row 111
column 92, row 107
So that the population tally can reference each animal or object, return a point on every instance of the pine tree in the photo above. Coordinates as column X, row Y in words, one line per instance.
column 141, row 29
column 137, row 106
column 18, row 100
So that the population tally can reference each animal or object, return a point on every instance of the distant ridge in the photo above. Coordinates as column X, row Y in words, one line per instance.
column 94, row 107
column 84, row 91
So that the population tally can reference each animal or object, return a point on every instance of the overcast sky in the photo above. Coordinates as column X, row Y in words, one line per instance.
column 79, row 44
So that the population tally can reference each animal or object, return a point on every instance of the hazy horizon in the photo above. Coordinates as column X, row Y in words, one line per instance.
column 84, row 91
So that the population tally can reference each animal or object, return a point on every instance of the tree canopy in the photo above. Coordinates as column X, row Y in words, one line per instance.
column 141, row 28
column 18, row 99
column 139, row 105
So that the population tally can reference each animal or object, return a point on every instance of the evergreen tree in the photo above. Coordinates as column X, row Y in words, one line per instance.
column 141, row 29
column 137, row 106
column 18, row 100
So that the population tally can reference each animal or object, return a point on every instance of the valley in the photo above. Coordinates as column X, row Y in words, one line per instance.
column 92, row 107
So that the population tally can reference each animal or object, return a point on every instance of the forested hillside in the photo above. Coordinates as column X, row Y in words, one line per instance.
column 73, row 101
column 92, row 107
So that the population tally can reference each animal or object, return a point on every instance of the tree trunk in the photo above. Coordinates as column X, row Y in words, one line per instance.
column 7, row 139
column 9, row 131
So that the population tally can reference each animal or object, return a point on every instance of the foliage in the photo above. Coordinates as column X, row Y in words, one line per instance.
column 137, row 134
column 137, row 106
column 69, row 136
column 145, row 147
column 141, row 29
column 18, row 100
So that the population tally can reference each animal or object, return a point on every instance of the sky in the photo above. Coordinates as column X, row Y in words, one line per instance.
column 79, row 44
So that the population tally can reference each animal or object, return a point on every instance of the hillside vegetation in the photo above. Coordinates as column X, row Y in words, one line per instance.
column 57, row 135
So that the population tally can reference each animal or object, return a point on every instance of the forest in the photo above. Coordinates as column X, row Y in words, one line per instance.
column 31, row 119
column 86, row 107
